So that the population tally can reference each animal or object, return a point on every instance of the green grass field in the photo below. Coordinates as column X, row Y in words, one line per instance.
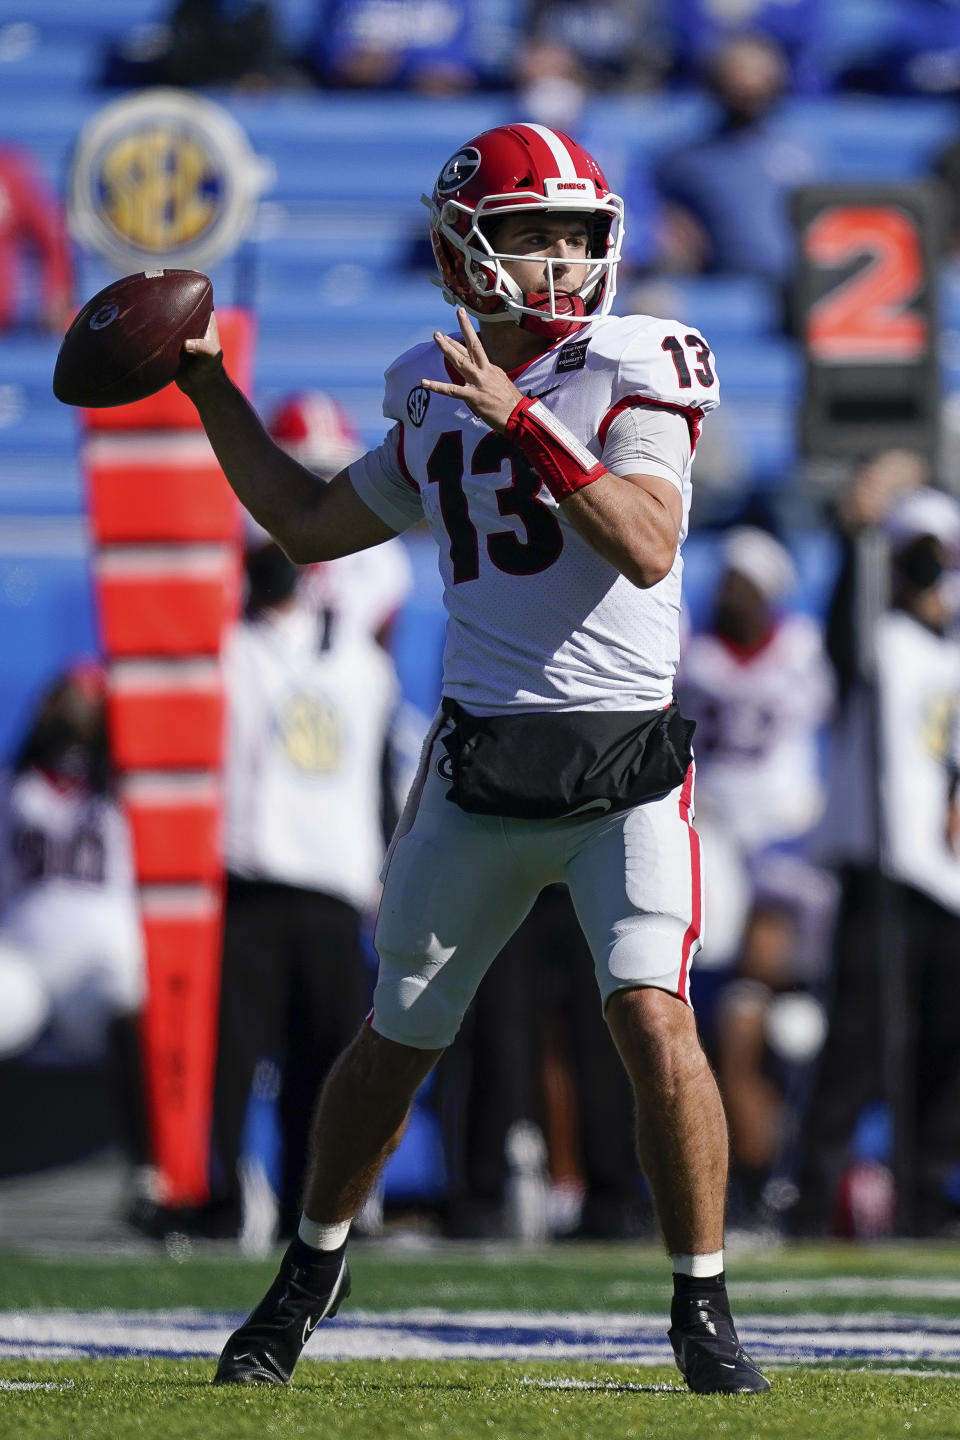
column 386, row 1399
column 101, row 1400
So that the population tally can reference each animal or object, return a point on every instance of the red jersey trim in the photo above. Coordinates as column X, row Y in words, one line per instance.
column 690, row 413
column 692, row 932
column 402, row 461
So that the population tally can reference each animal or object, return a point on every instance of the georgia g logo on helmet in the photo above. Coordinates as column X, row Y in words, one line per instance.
column 458, row 170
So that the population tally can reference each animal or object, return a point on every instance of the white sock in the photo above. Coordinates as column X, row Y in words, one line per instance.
column 323, row 1237
column 700, row 1267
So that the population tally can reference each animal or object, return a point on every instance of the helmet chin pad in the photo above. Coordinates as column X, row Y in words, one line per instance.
column 556, row 326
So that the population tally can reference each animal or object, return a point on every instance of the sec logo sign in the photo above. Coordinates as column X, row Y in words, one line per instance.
column 164, row 174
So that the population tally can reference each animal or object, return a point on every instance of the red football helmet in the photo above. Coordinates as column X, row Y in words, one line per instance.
column 522, row 167
column 317, row 431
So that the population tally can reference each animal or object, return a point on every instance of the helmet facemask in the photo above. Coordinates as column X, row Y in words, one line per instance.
column 473, row 272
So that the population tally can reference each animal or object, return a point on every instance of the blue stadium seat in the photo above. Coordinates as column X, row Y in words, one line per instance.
column 36, row 484
column 295, row 21
column 766, row 367
column 868, row 138
column 335, row 300
column 722, row 306
column 334, row 237
column 46, row 613
column 39, row 428
column 56, row 67
column 28, row 357
column 380, row 120
column 69, row 19
column 764, row 436
column 645, row 124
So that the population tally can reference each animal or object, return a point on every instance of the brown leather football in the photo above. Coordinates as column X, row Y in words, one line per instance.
column 125, row 344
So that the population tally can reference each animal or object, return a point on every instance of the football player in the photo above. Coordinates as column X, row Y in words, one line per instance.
column 759, row 685
column 549, row 451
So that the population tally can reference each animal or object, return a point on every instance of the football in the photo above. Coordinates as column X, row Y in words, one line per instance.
column 125, row 343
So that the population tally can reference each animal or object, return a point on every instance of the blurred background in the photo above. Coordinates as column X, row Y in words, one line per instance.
column 187, row 893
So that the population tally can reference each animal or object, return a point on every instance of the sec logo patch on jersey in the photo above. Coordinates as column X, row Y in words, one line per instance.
column 417, row 402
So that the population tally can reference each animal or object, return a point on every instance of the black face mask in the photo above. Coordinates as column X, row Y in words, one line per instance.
column 921, row 562
column 272, row 578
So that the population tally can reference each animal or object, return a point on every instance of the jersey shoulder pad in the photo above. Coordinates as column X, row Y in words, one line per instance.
column 403, row 377
column 664, row 359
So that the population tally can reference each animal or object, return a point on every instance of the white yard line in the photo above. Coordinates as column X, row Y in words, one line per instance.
column 506, row 1335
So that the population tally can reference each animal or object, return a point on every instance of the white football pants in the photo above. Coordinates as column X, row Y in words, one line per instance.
column 457, row 886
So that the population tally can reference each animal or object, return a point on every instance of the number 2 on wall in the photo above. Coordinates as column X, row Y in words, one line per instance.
column 866, row 317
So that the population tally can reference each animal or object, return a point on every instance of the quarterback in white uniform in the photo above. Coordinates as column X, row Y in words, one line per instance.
column 550, row 455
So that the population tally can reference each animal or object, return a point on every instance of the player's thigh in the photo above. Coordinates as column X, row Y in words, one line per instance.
column 455, row 890
column 636, row 886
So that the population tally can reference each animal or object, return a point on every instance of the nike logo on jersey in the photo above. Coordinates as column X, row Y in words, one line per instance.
column 544, row 392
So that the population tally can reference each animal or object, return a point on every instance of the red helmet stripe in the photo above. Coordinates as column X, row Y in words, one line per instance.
column 566, row 168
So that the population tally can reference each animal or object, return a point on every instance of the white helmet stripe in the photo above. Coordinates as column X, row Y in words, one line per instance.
column 566, row 169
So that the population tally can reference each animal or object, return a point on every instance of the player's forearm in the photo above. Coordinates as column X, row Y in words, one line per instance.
column 627, row 525
column 278, row 492
column 618, row 516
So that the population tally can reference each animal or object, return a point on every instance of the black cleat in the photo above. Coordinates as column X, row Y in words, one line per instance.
column 266, row 1347
column 709, row 1355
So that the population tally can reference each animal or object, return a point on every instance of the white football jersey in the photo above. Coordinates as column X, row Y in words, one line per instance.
column 918, row 676
column 308, row 708
column 69, row 895
column 758, row 717
column 537, row 619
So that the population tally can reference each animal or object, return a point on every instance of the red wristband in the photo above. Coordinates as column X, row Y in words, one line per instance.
column 563, row 464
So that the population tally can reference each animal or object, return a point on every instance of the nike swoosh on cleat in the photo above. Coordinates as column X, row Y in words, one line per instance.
column 309, row 1325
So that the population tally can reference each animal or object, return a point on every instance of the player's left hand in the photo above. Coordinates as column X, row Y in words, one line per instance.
column 486, row 389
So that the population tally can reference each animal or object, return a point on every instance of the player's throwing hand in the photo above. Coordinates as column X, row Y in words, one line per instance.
column 488, row 390
column 200, row 358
